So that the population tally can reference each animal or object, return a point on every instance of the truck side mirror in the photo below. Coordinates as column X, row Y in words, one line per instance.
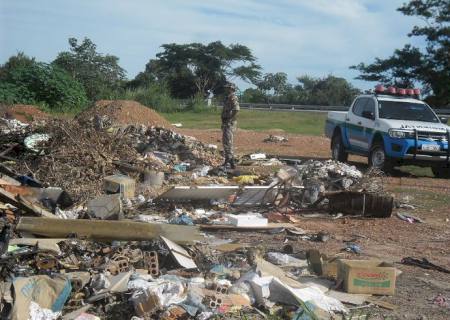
column 444, row 120
column 368, row 114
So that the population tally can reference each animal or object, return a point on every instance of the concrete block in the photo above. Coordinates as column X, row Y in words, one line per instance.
column 122, row 184
column 107, row 207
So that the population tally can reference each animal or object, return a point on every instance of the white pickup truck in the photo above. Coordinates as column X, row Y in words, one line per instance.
column 391, row 127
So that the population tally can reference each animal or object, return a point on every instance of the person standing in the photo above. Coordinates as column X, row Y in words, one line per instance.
column 229, row 114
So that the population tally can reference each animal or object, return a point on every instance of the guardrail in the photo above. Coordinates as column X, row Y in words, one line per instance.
column 298, row 107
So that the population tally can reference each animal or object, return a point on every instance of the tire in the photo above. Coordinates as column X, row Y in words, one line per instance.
column 337, row 149
column 378, row 158
column 441, row 172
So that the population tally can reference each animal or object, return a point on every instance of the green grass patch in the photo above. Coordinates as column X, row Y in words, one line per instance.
column 424, row 199
column 418, row 171
column 309, row 123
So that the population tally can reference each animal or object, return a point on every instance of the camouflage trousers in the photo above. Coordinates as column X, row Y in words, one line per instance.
column 228, row 129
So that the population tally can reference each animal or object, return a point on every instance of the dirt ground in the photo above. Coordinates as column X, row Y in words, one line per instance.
column 389, row 239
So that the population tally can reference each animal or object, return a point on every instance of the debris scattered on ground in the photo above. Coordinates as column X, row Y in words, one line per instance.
column 424, row 263
column 276, row 139
column 101, row 216
column 409, row 218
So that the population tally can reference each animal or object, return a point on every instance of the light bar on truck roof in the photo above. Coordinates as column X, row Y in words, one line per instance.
column 401, row 92
column 391, row 90
column 380, row 89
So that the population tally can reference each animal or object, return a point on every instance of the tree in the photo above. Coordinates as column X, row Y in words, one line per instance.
column 429, row 66
column 273, row 83
column 195, row 68
column 329, row 90
column 100, row 74
column 23, row 80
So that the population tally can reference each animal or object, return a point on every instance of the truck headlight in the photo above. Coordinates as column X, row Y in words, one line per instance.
column 394, row 133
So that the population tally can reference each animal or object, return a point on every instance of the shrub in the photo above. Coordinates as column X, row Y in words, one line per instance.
column 43, row 84
column 155, row 96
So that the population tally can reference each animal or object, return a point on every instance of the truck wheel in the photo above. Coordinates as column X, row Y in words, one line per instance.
column 337, row 149
column 378, row 158
column 441, row 172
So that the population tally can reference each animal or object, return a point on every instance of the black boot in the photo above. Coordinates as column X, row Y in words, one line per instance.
column 232, row 164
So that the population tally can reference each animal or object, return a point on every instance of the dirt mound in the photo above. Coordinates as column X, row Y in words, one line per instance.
column 125, row 112
column 23, row 112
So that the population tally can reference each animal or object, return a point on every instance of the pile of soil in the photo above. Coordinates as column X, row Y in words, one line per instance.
column 125, row 112
column 23, row 112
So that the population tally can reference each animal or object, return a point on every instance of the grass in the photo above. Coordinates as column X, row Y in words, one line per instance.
column 309, row 123
column 424, row 199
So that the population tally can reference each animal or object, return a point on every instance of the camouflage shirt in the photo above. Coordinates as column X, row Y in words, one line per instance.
column 230, row 108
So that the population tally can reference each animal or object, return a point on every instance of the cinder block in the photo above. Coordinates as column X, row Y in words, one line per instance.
column 122, row 184
column 107, row 207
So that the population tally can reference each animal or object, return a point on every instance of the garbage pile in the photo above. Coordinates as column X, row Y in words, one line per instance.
column 79, row 239
column 75, row 156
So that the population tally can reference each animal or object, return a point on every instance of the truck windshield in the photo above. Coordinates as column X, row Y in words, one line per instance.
column 402, row 110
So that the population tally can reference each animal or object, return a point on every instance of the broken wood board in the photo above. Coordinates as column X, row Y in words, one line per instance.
column 180, row 254
column 198, row 193
column 270, row 226
column 265, row 268
column 246, row 196
column 356, row 299
column 42, row 244
column 126, row 230
column 381, row 303
column 23, row 204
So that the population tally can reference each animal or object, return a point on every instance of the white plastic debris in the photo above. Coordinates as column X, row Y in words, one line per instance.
column 258, row 156
column 39, row 313
column 285, row 260
column 32, row 142
column 68, row 214
column 247, row 220
column 12, row 126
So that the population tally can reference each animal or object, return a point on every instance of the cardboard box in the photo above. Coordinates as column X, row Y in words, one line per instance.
column 321, row 264
column 367, row 276
column 122, row 184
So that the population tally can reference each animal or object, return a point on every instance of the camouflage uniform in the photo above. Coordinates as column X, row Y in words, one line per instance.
column 229, row 113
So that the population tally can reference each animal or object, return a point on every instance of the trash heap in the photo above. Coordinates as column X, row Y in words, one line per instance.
column 75, row 156
column 79, row 239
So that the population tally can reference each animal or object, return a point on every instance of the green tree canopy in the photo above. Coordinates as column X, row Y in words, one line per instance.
column 327, row 91
column 100, row 74
column 23, row 80
column 195, row 68
column 430, row 66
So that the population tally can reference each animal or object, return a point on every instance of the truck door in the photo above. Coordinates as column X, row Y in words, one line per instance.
column 355, row 129
column 368, row 122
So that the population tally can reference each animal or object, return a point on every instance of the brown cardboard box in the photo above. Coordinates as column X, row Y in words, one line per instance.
column 367, row 276
column 321, row 264
column 120, row 184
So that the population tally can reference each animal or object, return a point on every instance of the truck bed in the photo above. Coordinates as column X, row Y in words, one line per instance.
column 334, row 118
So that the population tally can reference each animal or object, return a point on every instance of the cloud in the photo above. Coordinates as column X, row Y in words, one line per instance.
column 294, row 36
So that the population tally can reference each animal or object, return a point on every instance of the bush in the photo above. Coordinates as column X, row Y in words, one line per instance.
column 154, row 96
column 42, row 84
column 199, row 104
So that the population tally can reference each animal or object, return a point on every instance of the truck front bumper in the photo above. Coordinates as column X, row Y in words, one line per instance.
column 411, row 150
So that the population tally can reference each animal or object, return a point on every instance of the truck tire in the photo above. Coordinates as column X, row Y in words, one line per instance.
column 441, row 172
column 337, row 149
column 378, row 158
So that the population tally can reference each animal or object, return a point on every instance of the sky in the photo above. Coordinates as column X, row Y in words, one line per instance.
column 314, row 37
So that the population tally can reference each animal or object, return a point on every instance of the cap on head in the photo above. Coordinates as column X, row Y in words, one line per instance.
column 230, row 86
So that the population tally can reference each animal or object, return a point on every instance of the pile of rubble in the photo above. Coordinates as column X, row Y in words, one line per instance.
column 80, row 240
column 124, row 112
column 75, row 156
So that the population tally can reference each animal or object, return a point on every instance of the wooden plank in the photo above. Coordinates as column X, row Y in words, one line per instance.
column 270, row 226
column 23, row 204
column 126, row 230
